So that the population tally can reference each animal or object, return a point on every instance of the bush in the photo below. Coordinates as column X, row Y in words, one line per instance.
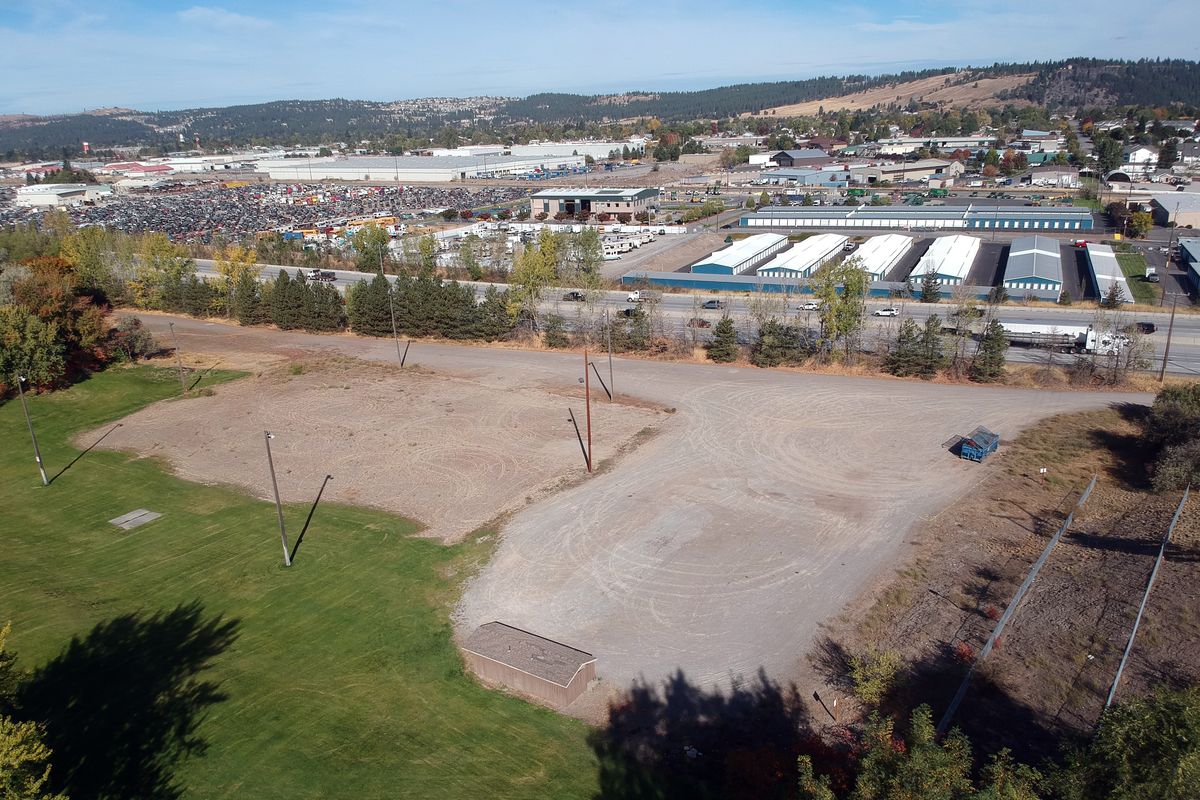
column 130, row 341
column 874, row 675
column 724, row 346
column 555, row 332
column 1177, row 466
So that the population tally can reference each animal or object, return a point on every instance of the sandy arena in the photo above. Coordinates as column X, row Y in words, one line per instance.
column 765, row 504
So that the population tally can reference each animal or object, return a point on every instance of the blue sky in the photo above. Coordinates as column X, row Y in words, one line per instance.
column 59, row 56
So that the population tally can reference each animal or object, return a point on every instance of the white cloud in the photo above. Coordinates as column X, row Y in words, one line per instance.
column 224, row 19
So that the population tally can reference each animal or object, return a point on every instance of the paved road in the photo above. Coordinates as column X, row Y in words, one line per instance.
column 677, row 309
column 768, row 501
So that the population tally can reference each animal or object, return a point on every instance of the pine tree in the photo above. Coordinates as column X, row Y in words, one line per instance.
column 328, row 309
column 988, row 364
column 304, row 303
column 1112, row 297
column 555, row 331
column 281, row 295
column 370, row 313
column 247, row 298
column 494, row 319
column 905, row 356
column 777, row 345
column 932, row 351
column 724, row 347
column 931, row 290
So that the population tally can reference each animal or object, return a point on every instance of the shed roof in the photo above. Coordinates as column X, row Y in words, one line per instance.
column 807, row 254
column 880, row 253
column 1106, row 271
column 948, row 255
column 1034, row 257
column 807, row 153
column 743, row 250
column 536, row 655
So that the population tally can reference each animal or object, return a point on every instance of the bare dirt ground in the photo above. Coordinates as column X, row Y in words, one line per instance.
column 766, row 503
column 437, row 448
column 971, row 94
column 1049, row 677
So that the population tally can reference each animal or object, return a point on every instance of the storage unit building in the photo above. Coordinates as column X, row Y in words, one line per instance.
column 878, row 255
column 413, row 169
column 742, row 256
column 541, row 668
column 1030, row 218
column 1106, row 272
column 1034, row 267
column 802, row 259
column 1189, row 255
column 949, row 258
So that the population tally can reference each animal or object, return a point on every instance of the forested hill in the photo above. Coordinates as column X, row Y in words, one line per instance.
column 1071, row 84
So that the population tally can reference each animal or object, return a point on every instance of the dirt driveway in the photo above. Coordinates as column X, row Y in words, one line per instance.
column 765, row 504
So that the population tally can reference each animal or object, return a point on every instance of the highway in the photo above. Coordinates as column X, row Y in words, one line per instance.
column 677, row 309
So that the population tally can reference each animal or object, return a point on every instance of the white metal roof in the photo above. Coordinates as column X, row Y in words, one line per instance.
column 1106, row 271
column 879, row 254
column 743, row 250
column 1034, row 257
column 806, row 255
column 948, row 255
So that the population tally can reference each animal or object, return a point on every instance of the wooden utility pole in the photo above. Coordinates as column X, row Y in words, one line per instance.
column 178, row 360
column 587, row 392
column 612, row 388
column 1162, row 373
column 37, row 453
column 287, row 555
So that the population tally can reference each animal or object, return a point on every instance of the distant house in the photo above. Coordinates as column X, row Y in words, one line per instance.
column 1189, row 152
column 1139, row 159
column 800, row 158
column 1054, row 176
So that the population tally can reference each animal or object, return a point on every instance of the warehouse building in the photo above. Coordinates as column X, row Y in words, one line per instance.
column 413, row 169
column 903, row 145
column 1107, row 272
column 53, row 195
column 742, row 256
column 878, row 255
column 1034, row 267
column 1031, row 218
column 1182, row 208
column 537, row 667
column 949, row 258
column 594, row 201
column 811, row 157
column 907, row 171
column 1189, row 256
column 804, row 258
column 831, row 178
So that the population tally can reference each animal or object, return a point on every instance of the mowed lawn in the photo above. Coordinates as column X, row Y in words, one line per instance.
column 1134, row 267
column 343, row 680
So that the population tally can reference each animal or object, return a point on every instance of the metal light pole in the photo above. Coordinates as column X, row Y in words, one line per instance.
column 178, row 360
column 37, row 453
column 287, row 556
column 1162, row 373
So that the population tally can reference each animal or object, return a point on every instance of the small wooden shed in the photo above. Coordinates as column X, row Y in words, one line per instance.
column 541, row 668
column 978, row 443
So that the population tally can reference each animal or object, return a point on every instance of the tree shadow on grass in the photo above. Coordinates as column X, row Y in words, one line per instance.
column 123, row 704
column 682, row 741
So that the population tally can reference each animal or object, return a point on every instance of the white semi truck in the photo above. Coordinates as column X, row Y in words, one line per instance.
column 1065, row 338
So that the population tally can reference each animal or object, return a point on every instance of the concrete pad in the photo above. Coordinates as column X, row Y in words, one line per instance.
column 135, row 518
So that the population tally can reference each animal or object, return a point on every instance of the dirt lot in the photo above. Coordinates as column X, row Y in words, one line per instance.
column 1049, row 677
column 766, row 503
column 434, row 447
column 970, row 94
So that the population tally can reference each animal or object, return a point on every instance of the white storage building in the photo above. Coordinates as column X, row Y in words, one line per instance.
column 412, row 169
column 804, row 258
column 879, row 254
column 61, row 194
column 949, row 258
column 1106, row 272
column 741, row 256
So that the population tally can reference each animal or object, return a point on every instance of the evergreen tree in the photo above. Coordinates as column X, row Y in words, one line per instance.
column 494, row 320
column 247, row 300
column 777, row 345
column 1112, row 297
column 304, row 302
column 905, row 356
column 931, row 290
column 370, row 313
column 555, row 331
column 284, row 312
column 724, row 346
column 197, row 297
column 918, row 767
column 932, row 350
column 988, row 364
column 328, row 310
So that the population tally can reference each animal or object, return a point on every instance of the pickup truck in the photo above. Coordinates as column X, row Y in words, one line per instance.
column 321, row 275
column 574, row 297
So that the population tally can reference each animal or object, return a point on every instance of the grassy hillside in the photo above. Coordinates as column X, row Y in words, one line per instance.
column 339, row 676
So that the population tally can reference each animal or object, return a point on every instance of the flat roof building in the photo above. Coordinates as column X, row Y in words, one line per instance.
column 742, row 256
column 593, row 201
column 949, row 258
column 415, row 169
column 541, row 668
column 1034, row 266
column 906, row 171
column 1182, row 208
column 804, row 258
column 1107, row 272
column 61, row 194
column 1030, row 218
column 878, row 255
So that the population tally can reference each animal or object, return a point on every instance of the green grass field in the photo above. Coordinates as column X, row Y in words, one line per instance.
column 343, row 681
column 1134, row 267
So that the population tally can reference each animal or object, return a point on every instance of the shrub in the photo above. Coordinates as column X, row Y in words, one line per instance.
column 130, row 341
column 555, row 331
column 874, row 675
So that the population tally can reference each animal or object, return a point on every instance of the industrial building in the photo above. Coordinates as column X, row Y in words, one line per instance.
column 413, row 169
column 804, row 258
column 949, row 258
column 741, row 256
column 1106, row 272
column 799, row 158
column 540, row 668
column 829, row 177
column 1189, row 255
column 904, row 145
column 595, row 201
column 1031, row 218
column 1034, row 267
column 61, row 194
column 1182, row 208
column 906, row 171
column 878, row 255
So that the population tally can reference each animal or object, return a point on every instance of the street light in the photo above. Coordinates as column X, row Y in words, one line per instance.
column 287, row 556
column 37, row 453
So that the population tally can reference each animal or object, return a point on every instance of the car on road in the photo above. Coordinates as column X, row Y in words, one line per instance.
column 1142, row 327
column 810, row 305
column 890, row 311
column 713, row 304
column 322, row 275
column 697, row 322
column 630, row 311
column 574, row 297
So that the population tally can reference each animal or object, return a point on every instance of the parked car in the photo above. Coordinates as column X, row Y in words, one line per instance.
column 849, row 246
column 810, row 305
column 890, row 311
column 713, row 304
column 1142, row 327
column 697, row 322
column 630, row 311
column 574, row 297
